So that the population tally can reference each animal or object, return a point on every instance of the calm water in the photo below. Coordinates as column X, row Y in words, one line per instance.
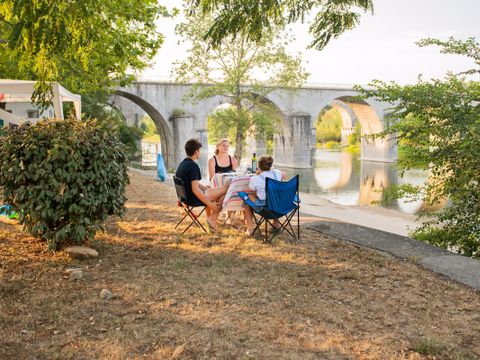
column 342, row 178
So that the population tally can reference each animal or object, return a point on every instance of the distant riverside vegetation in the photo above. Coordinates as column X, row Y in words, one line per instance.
column 329, row 131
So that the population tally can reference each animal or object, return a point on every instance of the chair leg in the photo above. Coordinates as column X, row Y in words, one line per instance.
column 258, row 224
column 298, row 223
column 266, row 231
column 194, row 217
column 184, row 216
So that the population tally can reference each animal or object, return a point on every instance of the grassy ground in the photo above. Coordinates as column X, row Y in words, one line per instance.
column 224, row 296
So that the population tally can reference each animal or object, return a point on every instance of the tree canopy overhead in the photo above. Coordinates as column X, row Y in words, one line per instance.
column 87, row 45
column 255, row 18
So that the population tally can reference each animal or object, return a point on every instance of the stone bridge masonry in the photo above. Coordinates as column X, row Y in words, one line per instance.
column 294, row 143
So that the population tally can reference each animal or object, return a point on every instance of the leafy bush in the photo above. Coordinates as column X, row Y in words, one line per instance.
column 130, row 136
column 63, row 177
column 96, row 106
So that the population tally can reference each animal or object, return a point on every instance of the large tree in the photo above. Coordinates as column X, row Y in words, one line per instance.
column 257, row 18
column 242, row 70
column 439, row 122
column 87, row 45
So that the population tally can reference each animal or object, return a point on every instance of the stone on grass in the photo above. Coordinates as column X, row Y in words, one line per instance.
column 76, row 275
column 69, row 271
column 106, row 294
column 178, row 351
column 81, row 252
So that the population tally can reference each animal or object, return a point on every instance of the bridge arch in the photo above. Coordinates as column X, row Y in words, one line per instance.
column 159, row 118
column 354, row 110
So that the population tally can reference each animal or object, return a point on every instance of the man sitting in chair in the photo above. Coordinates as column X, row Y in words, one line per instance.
column 198, row 194
column 257, row 184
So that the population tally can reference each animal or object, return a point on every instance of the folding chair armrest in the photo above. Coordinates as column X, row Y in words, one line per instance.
column 296, row 200
column 246, row 199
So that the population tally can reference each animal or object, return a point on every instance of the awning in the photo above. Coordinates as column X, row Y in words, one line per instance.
column 22, row 90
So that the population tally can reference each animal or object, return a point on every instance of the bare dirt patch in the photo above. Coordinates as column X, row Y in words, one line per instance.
column 225, row 296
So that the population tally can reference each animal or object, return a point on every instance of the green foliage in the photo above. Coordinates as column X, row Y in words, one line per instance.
column 332, row 145
column 255, row 18
column 224, row 123
column 329, row 126
column 428, row 346
column 150, row 131
column 231, row 70
column 130, row 136
column 354, row 140
column 95, row 106
column 440, row 124
column 356, row 137
column 63, row 177
column 86, row 45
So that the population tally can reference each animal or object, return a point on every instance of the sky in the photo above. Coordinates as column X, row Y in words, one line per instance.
column 381, row 47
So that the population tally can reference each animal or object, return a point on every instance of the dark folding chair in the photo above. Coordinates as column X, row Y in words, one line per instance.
column 187, row 207
column 282, row 203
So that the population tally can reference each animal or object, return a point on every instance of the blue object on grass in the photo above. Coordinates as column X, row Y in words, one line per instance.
column 161, row 170
column 6, row 210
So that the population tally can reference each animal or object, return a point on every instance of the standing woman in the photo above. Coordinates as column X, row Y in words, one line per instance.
column 221, row 162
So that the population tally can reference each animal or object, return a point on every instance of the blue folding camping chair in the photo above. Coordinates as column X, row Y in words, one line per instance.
column 282, row 203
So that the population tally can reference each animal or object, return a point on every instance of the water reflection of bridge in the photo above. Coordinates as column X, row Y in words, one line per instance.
column 341, row 178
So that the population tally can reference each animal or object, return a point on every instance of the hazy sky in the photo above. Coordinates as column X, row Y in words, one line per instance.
column 381, row 47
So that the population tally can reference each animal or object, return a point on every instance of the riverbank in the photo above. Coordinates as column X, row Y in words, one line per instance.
column 224, row 296
column 378, row 218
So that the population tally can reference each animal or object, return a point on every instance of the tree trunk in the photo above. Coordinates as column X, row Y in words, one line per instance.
column 239, row 144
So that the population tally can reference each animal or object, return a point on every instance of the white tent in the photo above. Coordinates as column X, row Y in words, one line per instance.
column 9, row 118
column 22, row 90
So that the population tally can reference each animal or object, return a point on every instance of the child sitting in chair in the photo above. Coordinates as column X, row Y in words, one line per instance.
column 257, row 184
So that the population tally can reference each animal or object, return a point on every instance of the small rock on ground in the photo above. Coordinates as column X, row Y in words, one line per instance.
column 178, row 351
column 76, row 275
column 106, row 294
column 81, row 252
column 69, row 271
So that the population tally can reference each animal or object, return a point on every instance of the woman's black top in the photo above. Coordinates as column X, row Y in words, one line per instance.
column 223, row 169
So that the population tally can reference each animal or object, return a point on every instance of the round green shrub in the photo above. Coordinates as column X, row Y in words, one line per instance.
column 63, row 177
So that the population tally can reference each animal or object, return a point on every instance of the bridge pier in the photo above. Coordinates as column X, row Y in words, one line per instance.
column 183, row 128
column 379, row 149
column 292, row 147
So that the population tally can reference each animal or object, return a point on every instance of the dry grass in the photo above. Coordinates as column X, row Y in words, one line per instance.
column 225, row 296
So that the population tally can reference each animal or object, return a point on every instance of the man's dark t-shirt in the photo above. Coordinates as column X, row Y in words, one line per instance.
column 189, row 171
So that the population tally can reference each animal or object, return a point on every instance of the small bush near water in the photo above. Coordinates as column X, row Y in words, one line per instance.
column 63, row 177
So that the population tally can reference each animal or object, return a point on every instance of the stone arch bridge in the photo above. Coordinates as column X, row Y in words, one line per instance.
column 177, row 121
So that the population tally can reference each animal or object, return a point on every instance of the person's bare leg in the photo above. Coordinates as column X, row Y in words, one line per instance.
column 276, row 224
column 249, row 219
column 212, row 219
column 217, row 195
